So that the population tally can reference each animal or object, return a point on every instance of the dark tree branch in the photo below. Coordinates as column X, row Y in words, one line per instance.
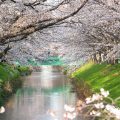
column 13, row 1
column 4, row 52
column 36, row 26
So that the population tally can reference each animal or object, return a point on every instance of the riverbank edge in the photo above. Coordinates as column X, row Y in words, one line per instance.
column 91, row 77
column 10, row 79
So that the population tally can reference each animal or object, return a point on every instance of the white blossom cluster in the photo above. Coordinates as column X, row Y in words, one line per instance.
column 70, row 112
column 100, row 107
column 97, row 97
column 95, row 106
column 113, row 110
column 72, row 37
column 2, row 109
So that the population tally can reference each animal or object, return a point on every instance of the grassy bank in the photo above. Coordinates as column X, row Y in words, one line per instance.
column 10, row 79
column 99, row 76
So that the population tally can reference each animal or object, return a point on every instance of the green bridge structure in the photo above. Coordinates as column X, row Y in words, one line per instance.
column 50, row 60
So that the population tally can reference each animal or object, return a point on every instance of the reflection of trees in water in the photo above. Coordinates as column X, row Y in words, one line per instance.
column 34, row 99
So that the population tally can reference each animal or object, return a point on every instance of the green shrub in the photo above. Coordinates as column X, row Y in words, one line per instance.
column 10, row 79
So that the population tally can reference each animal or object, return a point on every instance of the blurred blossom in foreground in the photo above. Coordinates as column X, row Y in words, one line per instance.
column 95, row 106
column 2, row 109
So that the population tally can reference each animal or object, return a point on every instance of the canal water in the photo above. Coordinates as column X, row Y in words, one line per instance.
column 43, row 93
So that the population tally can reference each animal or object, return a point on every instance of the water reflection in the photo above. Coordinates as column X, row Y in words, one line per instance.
column 41, row 92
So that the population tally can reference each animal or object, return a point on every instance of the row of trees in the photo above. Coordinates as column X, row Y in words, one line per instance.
column 91, row 27
column 19, row 19
column 101, row 31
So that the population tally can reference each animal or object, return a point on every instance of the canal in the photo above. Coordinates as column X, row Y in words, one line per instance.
column 43, row 93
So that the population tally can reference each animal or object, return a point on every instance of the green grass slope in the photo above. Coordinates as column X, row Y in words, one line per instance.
column 100, row 76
